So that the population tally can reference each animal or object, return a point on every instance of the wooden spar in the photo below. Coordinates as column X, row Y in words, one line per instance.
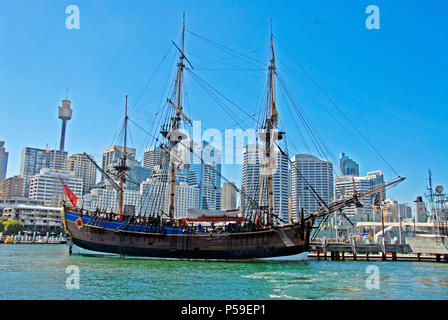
column 274, row 115
column 125, row 125
column 381, row 187
column 271, row 125
column 175, row 123
column 123, row 174
column 340, row 204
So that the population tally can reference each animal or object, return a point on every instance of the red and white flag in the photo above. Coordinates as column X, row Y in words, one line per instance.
column 71, row 195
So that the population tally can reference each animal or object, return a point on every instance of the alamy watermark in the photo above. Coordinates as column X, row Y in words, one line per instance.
column 373, row 20
column 72, row 281
column 373, row 277
column 212, row 146
column 73, row 20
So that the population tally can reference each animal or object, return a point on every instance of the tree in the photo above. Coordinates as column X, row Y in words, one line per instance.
column 12, row 227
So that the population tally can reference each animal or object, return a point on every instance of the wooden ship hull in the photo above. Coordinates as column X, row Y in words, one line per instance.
column 146, row 240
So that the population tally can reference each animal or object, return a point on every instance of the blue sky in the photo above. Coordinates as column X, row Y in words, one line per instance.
column 391, row 82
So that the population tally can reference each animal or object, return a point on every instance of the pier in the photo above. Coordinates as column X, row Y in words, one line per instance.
column 321, row 250
column 28, row 239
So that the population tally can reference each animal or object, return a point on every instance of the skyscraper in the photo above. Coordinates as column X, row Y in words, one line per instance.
column 250, row 187
column 347, row 166
column 112, row 155
column 345, row 186
column 83, row 169
column 228, row 196
column 34, row 159
column 47, row 186
column 153, row 157
column 205, row 173
column 3, row 160
column 319, row 174
column 136, row 175
column 11, row 187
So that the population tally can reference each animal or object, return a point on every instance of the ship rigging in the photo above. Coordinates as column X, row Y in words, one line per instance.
column 155, row 231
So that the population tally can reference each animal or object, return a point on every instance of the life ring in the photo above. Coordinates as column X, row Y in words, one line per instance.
column 79, row 223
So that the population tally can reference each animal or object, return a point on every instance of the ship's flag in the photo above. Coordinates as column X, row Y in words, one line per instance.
column 68, row 192
column 70, row 195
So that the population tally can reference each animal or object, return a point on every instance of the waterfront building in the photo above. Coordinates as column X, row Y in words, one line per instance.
column 347, row 166
column 83, row 169
column 228, row 196
column 346, row 185
column 205, row 173
column 11, row 187
column 250, row 186
column 34, row 159
column 155, row 197
column 35, row 217
column 3, row 161
column 319, row 174
column 112, row 155
column 47, row 186
column 8, row 202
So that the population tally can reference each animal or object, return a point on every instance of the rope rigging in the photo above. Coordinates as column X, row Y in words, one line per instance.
column 166, row 116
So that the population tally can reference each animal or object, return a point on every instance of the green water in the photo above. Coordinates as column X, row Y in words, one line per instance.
column 39, row 272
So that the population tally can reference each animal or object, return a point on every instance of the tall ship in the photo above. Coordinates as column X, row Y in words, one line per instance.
column 255, row 232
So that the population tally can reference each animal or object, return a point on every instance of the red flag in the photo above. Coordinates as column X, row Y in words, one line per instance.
column 71, row 195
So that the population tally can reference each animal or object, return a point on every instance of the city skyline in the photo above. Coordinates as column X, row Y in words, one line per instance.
column 412, row 141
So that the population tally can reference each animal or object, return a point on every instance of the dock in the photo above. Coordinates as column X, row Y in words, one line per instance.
column 322, row 250
column 32, row 240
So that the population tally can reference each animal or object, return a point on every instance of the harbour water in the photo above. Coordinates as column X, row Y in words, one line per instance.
column 39, row 272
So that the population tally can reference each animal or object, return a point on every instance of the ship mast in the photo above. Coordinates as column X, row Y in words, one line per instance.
column 123, row 168
column 175, row 121
column 271, row 125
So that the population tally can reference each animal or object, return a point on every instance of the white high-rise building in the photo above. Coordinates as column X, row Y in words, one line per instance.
column 112, row 155
column 106, row 199
column 250, row 187
column 84, row 169
column 316, row 172
column 228, row 196
column 155, row 198
column 34, row 159
column 57, row 159
column 345, row 186
column 48, row 186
